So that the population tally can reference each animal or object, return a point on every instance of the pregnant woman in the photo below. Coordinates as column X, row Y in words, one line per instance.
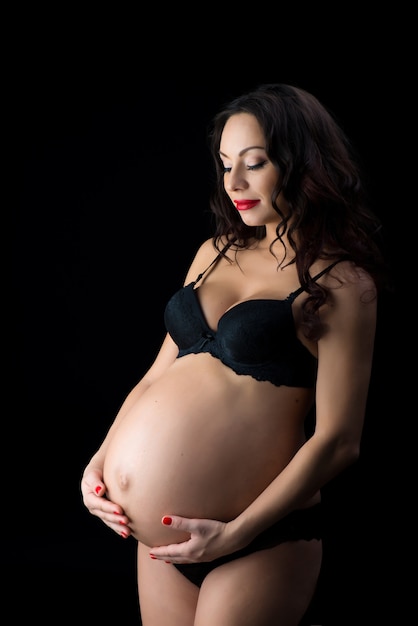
column 209, row 464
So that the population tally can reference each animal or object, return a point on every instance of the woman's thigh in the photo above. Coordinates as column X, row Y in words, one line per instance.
column 273, row 586
column 165, row 595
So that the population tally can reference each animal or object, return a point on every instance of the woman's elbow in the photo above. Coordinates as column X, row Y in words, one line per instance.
column 346, row 450
column 339, row 450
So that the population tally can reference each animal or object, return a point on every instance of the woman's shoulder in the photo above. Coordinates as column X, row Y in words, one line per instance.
column 204, row 255
column 345, row 279
column 211, row 247
column 206, row 250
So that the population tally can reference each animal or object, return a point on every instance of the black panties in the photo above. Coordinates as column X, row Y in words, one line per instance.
column 303, row 524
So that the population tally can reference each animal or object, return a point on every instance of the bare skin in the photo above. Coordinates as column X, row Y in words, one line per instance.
column 282, row 583
column 225, row 455
column 217, row 416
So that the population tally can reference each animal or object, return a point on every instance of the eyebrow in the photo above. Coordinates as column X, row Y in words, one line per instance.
column 245, row 150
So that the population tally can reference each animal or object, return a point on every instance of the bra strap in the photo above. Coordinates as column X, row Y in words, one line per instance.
column 298, row 291
column 215, row 260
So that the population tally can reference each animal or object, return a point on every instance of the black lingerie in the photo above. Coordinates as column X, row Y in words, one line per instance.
column 302, row 524
column 255, row 337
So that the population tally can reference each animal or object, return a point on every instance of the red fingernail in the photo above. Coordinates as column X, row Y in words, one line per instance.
column 97, row 489
column 167, row 520
column 124, row 535
column 153, row 557
column 121, row 521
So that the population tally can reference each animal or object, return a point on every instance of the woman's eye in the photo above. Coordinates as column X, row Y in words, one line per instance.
column 250, row 168
column 257, row 166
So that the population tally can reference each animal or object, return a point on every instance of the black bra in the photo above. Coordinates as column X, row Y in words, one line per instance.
column 255, row 337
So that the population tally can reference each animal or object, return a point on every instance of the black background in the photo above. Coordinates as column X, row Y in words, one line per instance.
column 112, row 182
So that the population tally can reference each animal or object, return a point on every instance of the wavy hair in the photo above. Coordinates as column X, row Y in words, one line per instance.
column 328, row 208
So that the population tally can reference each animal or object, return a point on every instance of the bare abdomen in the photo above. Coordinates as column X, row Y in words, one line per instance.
column 178, row 452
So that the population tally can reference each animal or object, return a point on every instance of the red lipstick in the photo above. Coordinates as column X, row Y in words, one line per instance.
column 244, row 205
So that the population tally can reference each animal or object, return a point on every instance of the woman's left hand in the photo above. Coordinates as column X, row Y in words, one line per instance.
column 208, row 541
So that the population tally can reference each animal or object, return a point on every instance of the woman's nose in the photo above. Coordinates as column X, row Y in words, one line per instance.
column 235, row 181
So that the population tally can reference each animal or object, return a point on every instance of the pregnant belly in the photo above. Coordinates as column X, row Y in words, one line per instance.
column 178, row 453
column 173, row 465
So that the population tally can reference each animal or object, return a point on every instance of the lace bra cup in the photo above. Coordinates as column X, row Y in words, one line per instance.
column 255, row 337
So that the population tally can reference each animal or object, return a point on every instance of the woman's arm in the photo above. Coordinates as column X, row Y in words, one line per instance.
column 93, row 488
column 345, row 356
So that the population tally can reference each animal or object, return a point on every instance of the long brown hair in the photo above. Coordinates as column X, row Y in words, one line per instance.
column 321, row 183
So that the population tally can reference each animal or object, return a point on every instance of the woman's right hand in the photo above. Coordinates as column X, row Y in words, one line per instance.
column 93, row 492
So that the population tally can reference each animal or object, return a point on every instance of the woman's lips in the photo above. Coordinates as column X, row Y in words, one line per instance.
column 244, row 205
